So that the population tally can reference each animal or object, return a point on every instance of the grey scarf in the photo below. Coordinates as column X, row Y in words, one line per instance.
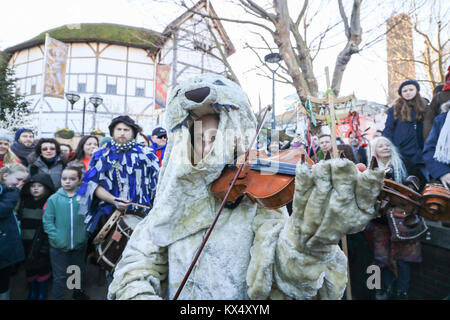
column 22, row 151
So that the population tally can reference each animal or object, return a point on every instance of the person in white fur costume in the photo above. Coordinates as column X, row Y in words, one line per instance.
column 252, row 253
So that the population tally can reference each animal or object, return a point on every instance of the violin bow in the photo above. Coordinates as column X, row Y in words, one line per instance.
column 133, row 204
column 205, row 239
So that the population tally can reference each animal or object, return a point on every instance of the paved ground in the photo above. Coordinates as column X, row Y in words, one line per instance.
column 96, row 284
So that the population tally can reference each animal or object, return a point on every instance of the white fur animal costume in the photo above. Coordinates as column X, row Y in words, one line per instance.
column 252, row 253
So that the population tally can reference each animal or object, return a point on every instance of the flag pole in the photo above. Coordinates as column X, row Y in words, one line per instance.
column 41, row 104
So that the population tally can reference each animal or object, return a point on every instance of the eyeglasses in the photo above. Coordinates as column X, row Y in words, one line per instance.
column 48, row 149
column 162, row 137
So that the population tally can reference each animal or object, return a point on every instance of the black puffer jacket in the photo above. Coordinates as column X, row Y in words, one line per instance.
column 11, row 248
column 30, row 210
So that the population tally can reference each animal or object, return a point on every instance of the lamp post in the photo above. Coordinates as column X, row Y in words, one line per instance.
column 273, row 58
column 96, row 100
column 72, row 97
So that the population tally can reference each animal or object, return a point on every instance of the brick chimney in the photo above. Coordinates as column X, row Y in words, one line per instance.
column 400, row 54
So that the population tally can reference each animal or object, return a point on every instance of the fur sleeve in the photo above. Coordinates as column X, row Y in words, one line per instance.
column 297, row 257
column 143, row 267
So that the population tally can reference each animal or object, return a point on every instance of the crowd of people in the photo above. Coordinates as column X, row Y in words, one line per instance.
column 43, row 176
column 54, row 199
column 415, row 142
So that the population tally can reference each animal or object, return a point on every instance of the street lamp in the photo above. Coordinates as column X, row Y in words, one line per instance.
column 72, row 97
column 96, row 100
column 273, row 58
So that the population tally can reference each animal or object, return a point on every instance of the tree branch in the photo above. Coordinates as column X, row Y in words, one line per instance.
column 425, row 36
column 259, row 10
column 223, row 55
column 352, row 47
column 301, row 14
column 282, row 39
column 230, row 20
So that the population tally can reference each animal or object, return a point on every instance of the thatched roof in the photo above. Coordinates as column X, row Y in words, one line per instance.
column 124, row 35
column 101, row 32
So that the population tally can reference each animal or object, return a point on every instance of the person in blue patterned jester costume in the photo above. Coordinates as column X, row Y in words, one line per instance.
column 101, row 192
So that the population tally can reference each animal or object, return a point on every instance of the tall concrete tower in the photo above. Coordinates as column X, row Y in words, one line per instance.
column 400, row 54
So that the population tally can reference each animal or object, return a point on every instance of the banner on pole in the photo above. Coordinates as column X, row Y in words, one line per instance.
column 161, row 85
column 55, row 61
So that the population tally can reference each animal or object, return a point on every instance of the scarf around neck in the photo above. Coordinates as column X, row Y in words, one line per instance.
column 442, row 153
column 21, row 150
column 49, row 162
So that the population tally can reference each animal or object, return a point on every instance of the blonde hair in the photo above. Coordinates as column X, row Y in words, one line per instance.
column 10, row 157
column 395, row 160
column 12, row 168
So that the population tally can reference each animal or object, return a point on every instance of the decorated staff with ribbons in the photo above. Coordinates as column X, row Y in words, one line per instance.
column 121, row 173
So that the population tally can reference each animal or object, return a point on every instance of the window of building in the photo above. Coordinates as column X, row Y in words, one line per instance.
column 140, row 92
column 33, row 89
column 111, row 88
column 81, row 87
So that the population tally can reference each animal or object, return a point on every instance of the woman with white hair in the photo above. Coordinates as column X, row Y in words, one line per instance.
column 393, row 258
column 6, row 155
column 387, row 154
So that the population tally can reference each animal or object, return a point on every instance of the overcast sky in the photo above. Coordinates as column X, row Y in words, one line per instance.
column 366, row 74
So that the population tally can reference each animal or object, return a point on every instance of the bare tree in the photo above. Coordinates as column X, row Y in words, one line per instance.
column 275, row 19
column 292, row 29
column 435, row 55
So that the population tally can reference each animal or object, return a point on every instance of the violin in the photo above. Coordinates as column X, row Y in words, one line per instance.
column 267, row 181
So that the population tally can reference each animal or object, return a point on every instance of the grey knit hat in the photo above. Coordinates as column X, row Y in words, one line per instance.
column 6, row 135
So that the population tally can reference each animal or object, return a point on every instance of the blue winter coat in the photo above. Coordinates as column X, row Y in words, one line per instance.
column 435, row 168
column 406, row 136
column 11, row 247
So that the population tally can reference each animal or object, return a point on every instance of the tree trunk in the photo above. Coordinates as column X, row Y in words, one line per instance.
column 354, row 36
column 282, row 40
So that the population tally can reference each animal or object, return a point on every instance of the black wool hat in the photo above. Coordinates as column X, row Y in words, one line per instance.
column 42, row 178
column 405, row 83
column 159, row 132
column 126, row 120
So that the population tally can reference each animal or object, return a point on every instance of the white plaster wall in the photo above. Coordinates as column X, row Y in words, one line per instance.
column 35, row 68
column 140, row 70
column 82, row 65
column 113, row 51
column 139, row 55
column 35, row 53
column 21, row 57
column 111, row 67
column 82, row 50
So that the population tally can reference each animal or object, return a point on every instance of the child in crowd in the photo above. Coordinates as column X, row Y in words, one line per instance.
column 33, row 197
column 12, row 177
column 67, row 234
